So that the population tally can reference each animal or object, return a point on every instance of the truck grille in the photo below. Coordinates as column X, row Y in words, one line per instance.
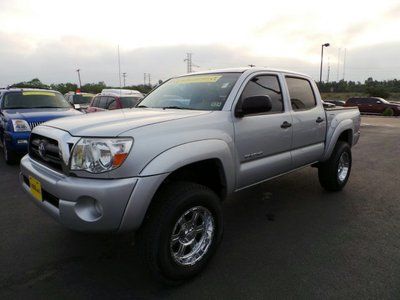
column 34, row 124
column 46, row 151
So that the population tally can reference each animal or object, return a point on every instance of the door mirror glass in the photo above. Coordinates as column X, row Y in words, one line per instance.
column 254, row 105
column 77, row 106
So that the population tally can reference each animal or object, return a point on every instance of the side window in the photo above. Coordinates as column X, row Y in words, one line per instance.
column 111, row 103
column 301, row 93
column 95, row 102
column 103, row 102
column 265, row 85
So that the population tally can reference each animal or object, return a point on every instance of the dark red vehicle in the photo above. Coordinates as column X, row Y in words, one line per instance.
column 110, row 101
column 373, row 105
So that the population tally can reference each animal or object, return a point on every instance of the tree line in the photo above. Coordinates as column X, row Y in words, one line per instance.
column 370, row 86
column 64, row 88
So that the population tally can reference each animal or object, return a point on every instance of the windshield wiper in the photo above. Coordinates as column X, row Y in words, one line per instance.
column 49, row 107
column 142, row 106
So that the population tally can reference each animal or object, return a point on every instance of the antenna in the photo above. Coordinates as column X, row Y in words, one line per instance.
column 124, row 76
column 344, row 62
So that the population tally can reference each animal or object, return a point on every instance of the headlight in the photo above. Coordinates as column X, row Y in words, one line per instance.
column 98, row 155
column 20, row 125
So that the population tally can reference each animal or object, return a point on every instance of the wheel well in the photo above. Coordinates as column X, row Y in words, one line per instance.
column 346, row 136
column 208, row 172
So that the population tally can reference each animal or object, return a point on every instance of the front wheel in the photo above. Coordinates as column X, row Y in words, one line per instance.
column 182, row 231
column 334, row 173
column 9, row 156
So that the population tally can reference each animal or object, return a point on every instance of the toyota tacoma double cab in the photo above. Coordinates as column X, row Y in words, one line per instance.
column 163, row 167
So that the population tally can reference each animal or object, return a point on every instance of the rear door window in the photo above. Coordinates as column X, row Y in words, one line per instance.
column 301, row 93
column 103, row 102
column 95, row 102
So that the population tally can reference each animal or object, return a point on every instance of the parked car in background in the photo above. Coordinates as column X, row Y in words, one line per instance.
column 79, row 100
column 23, row 109
column 374, row 105
column 165, row 166
column 337, row 102
column 110, row 99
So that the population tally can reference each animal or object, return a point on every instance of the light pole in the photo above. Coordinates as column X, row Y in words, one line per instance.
column 322, row 59
column 79, row 78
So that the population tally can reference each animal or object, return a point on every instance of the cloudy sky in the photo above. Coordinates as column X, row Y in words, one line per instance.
column 50, row 39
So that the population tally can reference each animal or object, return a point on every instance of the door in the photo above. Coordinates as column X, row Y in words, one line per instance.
column 309, row 124
column 263, row 141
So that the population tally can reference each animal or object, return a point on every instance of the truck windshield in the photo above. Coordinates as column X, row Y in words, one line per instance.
column 198, row 92
column 34, row 99
column 82, row 99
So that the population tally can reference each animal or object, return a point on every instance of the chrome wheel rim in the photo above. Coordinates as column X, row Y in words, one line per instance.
column 192, row 236
column 343, row 166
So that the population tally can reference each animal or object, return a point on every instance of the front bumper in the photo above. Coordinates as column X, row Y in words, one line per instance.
column 91, row 205
column 17, row 141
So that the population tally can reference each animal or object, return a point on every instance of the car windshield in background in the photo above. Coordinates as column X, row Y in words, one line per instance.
column 82, row 99
column 34, row 99
column 198, row 92
column 129, row 102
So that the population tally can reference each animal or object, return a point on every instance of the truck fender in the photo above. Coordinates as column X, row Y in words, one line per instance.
column 333, row 135
column 158, row 169
column 185, row 154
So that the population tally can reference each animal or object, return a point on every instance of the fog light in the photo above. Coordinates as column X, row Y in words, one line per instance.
column 22, row 141
column 88, row 209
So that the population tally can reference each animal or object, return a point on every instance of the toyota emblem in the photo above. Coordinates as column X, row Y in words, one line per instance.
column 42, row 149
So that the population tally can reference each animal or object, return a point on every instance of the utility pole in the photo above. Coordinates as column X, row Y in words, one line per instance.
column 119, row 68
column 188, row 60
column 124, row 76
column 344, row 62
column 79, row 78
column 338, row 65
column 329, row 71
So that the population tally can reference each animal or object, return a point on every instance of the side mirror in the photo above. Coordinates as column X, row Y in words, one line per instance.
column 77, row 106
column 253, row 105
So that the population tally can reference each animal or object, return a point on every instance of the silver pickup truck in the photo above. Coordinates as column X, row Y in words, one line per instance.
column 164, row 167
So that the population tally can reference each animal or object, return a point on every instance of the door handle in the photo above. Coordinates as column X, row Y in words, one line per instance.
column 286, row 125
column 319, row 120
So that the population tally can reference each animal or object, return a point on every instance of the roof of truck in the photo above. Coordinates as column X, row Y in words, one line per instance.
column 244, row 69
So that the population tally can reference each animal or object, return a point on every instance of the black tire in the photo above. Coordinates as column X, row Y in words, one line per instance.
column 10, row 156
column 170, row 203
column 328, row 174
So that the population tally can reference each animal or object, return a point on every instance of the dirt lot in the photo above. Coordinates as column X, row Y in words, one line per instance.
column 287, row 238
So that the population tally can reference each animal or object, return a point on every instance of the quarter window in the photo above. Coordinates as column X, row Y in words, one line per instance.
column 301, row 93
column 265, row 85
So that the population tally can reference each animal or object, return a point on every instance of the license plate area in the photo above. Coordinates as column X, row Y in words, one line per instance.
column 36, row 188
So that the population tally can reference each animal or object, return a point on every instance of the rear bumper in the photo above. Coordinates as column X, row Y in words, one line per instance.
column 91, row 205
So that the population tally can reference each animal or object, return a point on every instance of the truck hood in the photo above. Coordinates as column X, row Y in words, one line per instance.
column 39, row 114
column 116, row 122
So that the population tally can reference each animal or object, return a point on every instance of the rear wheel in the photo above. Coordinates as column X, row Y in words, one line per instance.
column 334, row 173
column 182, row 231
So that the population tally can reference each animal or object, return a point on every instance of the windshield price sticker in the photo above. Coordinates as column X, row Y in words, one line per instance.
column 198, row 79
column 38, row 93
